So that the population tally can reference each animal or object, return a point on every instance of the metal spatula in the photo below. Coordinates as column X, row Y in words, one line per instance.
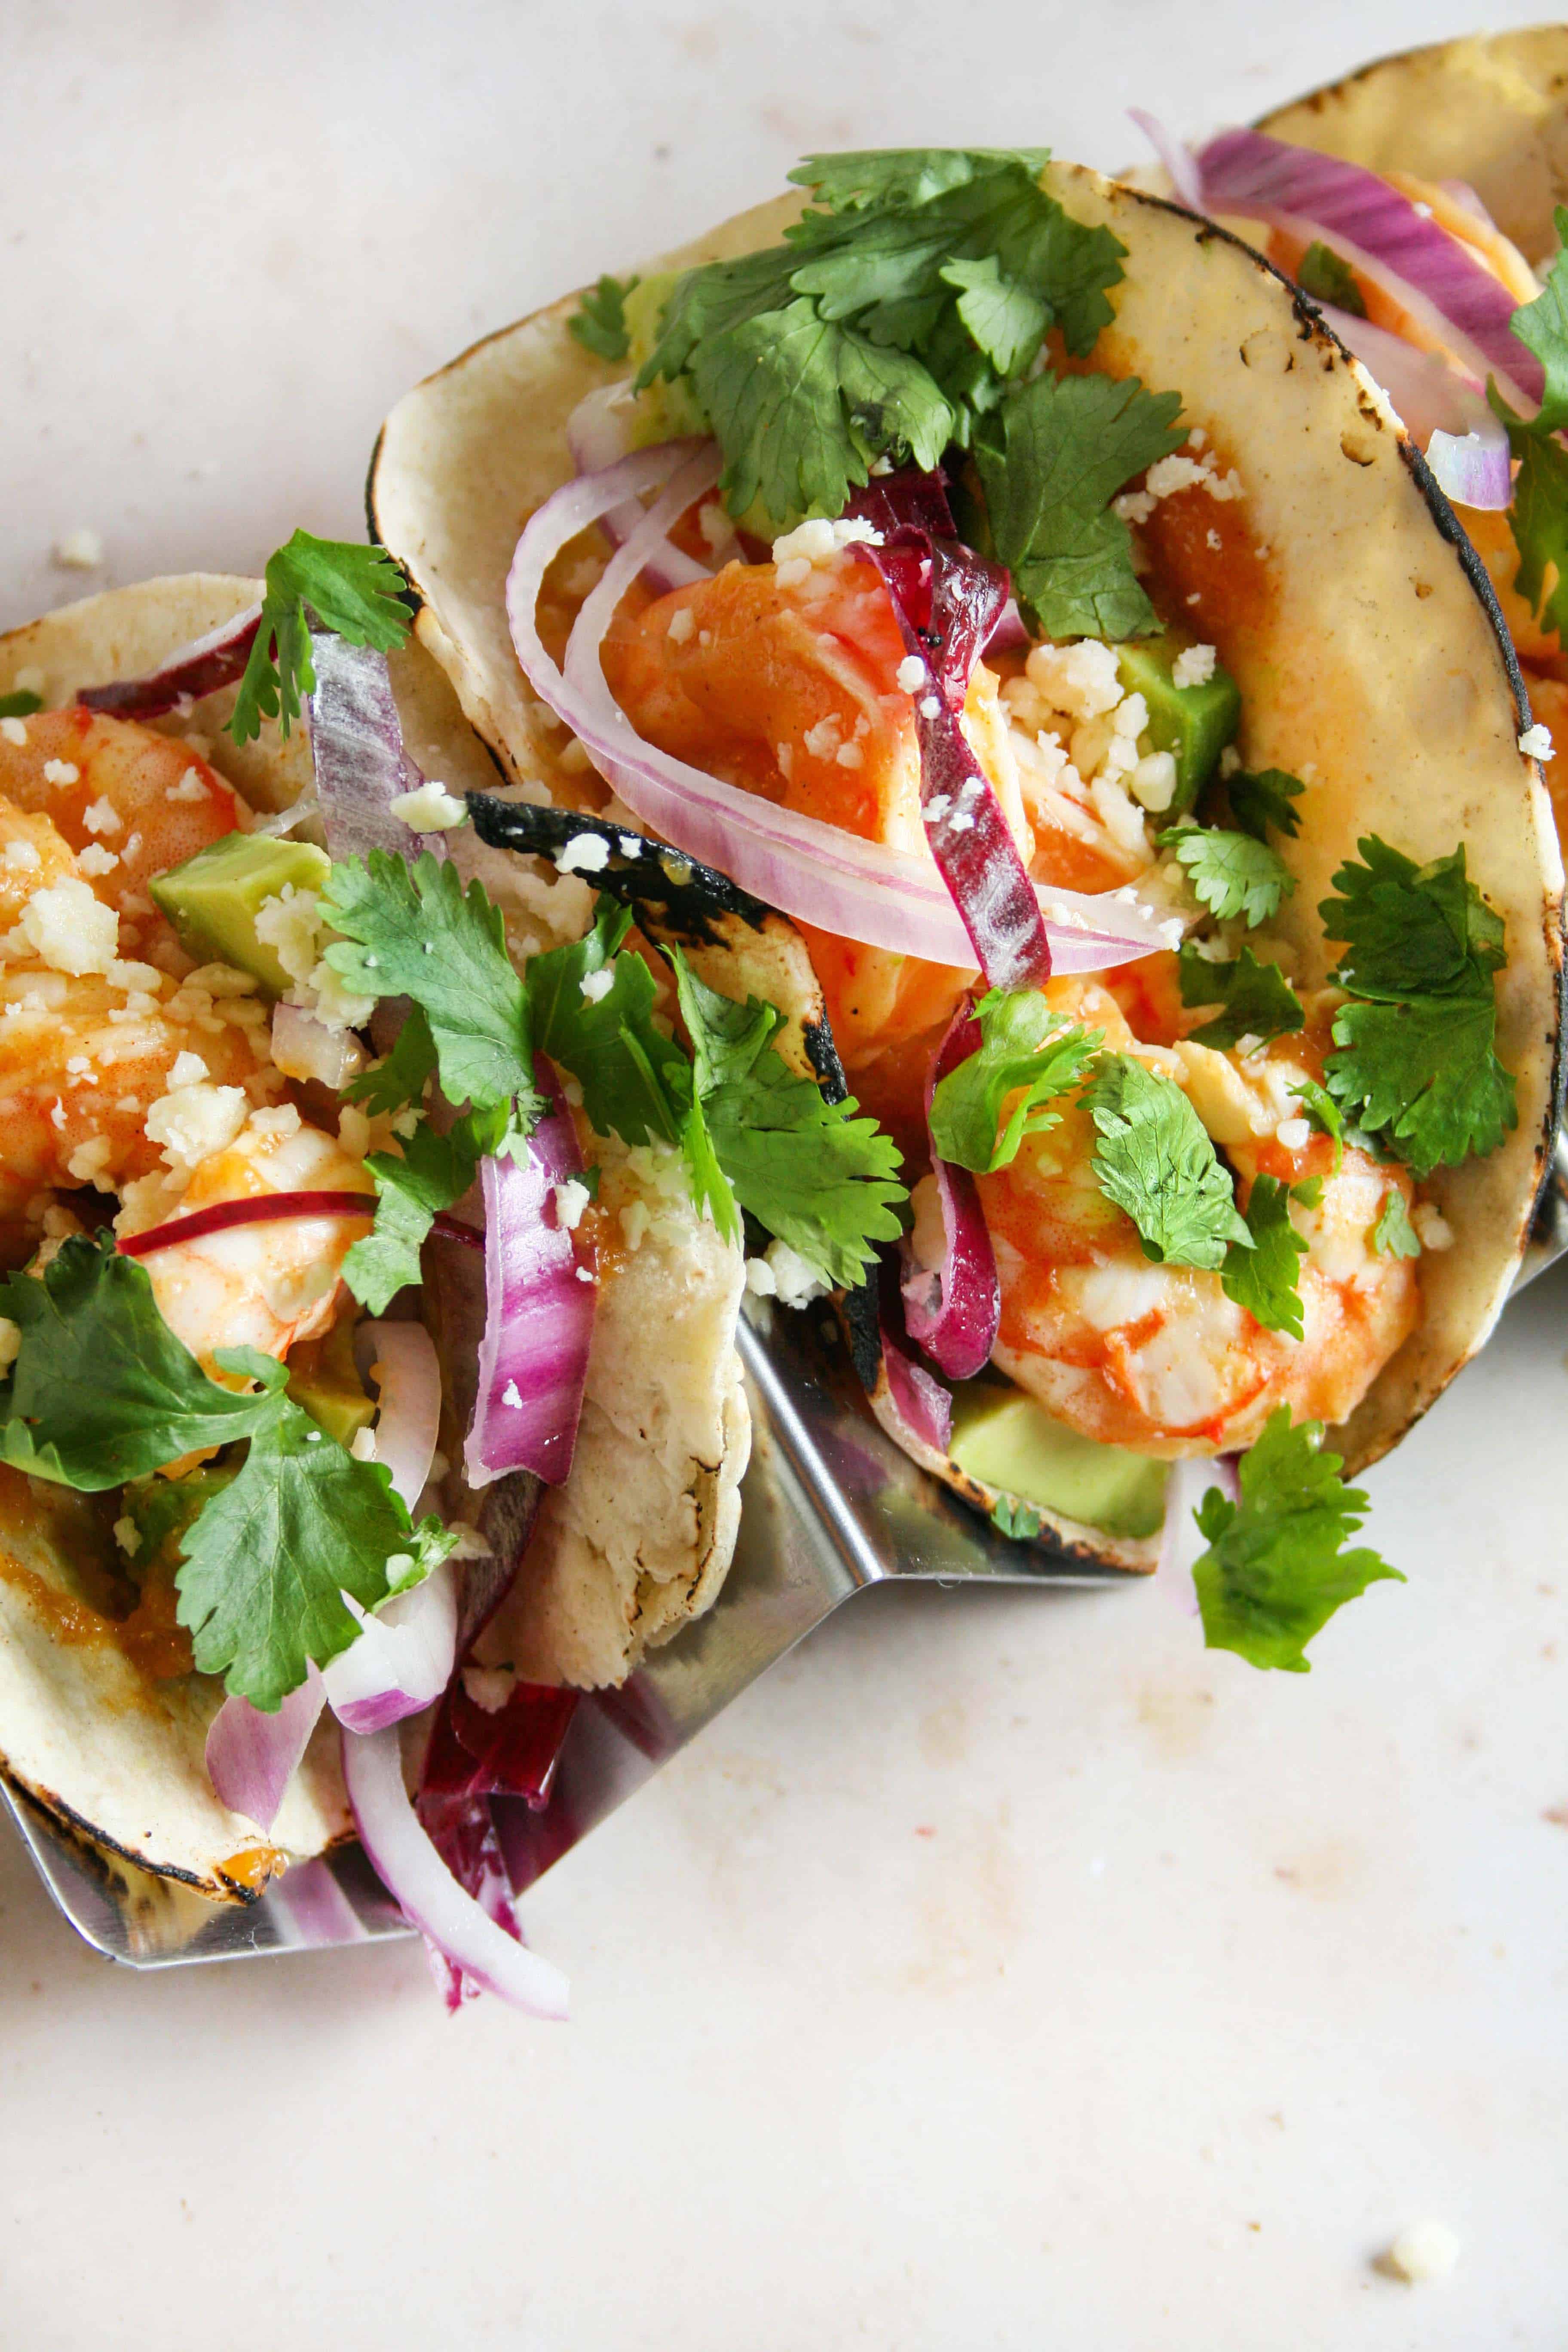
column 830, row 1508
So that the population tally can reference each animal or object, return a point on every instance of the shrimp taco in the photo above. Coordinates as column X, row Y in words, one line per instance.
column 349, row 1263
column 1011, row 581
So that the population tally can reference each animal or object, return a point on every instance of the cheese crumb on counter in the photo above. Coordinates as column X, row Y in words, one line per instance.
column 1427, row 2250
column 79, row 551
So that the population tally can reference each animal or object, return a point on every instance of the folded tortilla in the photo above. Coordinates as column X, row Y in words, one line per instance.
column 1376, row 665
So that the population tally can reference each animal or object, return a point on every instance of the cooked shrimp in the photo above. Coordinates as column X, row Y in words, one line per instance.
column 134, row 802
column 1157, row 1357
column 788, row 687
column 262, row 1286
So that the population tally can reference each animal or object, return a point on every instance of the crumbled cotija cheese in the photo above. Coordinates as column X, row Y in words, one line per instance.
column 596, row 985
column 190, row 1123
column 571, row 1200
column 586, row 853
column 429, row 808
column 191, row 786
column 13, row 731
column 682, row 625
column 22, row 857
column 69, row 928
column 817, row 542
column 1194, row 666
column 1536, row 743
column 61, row 771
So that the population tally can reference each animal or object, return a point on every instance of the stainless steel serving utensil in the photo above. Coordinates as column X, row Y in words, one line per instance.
column 831, row 1507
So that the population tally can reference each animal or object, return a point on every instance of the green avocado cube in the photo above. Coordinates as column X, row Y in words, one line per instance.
column 1005, row 1439
column 1194, row 723
column 323, row 1379
column 214, row 899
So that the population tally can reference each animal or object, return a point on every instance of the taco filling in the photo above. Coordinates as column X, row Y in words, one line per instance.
column 983, row 568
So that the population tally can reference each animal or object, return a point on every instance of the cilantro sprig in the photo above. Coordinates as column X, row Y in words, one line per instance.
column 916, row 289
column 101, row 1391
column 599, row 321
column 1061, row 450
column 1232, row 874
column 1154, row 1160
column 357, row 592
column 1258, row 1000
column 1418, row 1066
column 1024, row 1048
column 1539, row 515
column 1265, row 1276
column 1277, row 1568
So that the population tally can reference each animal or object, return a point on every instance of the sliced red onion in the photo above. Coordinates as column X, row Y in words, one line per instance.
column 1473, row 468
column 411, row 1869
column 401, row 1358
column 1383, row 235
column 464, row 1836
column 201, row 667
column 947, row 602
column 1466, row 444
column 251, row 1757
column 1176, row 156
column 953, row 1311
column 921, row 1402
column 815, row 871
column 401, row 1661
column 540, row 1293
column 304, row 1047
column 356, row 742
column 1009, row 634
column 598, row 433
column 1465, row 196
column 258, row 1208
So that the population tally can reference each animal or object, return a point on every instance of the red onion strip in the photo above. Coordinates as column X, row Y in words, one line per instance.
column 402, row 1659
column 401, row 1358
column 598, row 434
column 1466, row 444
column 540, row 1298
column 413, row 1874
column 921, row 1402
column 259, row 1209
column 201, row 667
column 357, row 743
column 1383, row 235
column 815, row 871
column 251, row 1757
column 952, row 1312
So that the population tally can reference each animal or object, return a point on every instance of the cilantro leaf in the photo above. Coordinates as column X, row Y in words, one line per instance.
column 906, row 178
column 355, row 591
column 1277, row 1568
column 1019, row 1521
column 635, row 1082
column 1324, row 1112
column 599, row 321
column 1265, row 1277
column 1155, row 1162
column 1411, row 930
column 1542, row 327
column 267, row 1562
column 1005, row 321
column 1067, row 445
column 814, row 1173
column 1419, row 1064
column 434, row 1171
column 1258, row 1000
column 1231, row 873
column 1426, row 1076
column 20, row 704
column 802, row 404
column 102, row 1390
column 400, row 1078
column 1327, row 279
column 412, row 930
column 1257, row 802
column 1022, row 1044
column 1393, row 1236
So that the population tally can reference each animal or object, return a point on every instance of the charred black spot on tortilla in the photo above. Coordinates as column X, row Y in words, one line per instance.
column 690, row 899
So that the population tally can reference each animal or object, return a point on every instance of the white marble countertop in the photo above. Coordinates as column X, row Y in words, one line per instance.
column 1003, row 1971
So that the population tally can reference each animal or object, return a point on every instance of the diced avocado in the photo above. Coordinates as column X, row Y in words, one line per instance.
column 322, row 1379
column 213, row 899
column 1005, row 1439
column 1194, row 723
column 160, row 1509
column 664, row 411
